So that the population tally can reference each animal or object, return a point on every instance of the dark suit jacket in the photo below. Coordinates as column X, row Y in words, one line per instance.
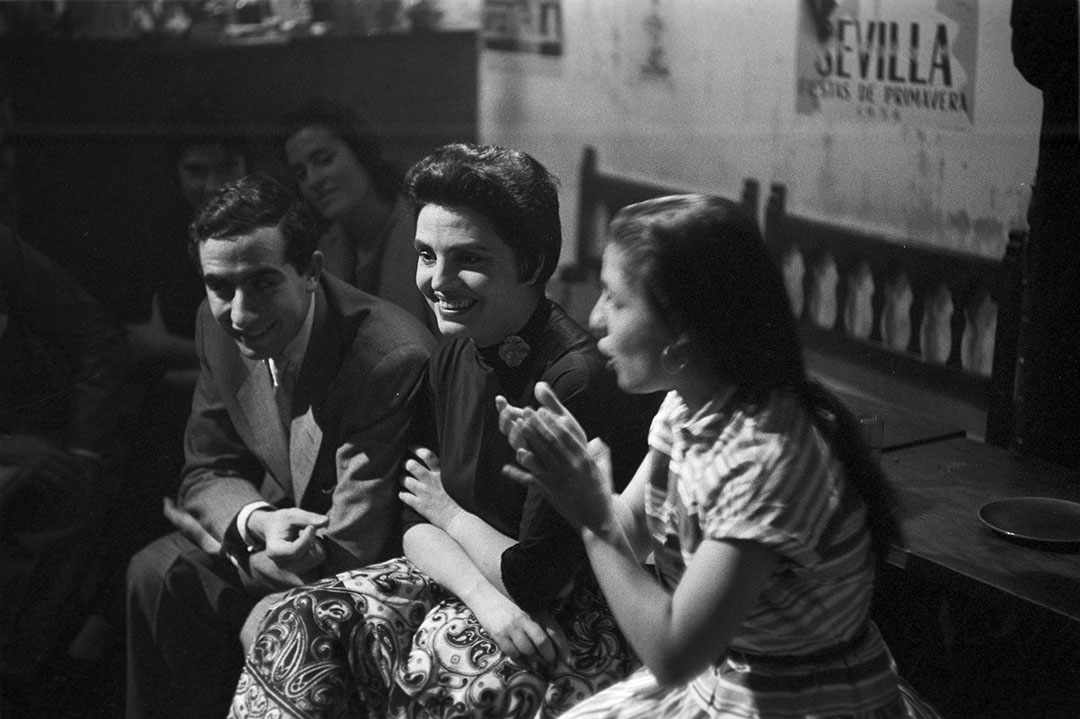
column 355, row 397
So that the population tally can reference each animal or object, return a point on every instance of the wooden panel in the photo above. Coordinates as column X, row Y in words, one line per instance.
column 93, row 121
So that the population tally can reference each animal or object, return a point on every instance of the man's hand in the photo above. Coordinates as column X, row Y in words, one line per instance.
column 190, row 528
column 290, row 538
column 424, row 489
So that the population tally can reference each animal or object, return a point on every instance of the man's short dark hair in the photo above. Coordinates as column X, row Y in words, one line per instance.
column 508, row 187
column 253, row 202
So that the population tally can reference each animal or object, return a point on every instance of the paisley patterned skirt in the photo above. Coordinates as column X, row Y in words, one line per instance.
column 387, row 641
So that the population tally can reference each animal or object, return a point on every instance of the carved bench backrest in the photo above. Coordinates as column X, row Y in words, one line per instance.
column 602, row 194
column 944, row 320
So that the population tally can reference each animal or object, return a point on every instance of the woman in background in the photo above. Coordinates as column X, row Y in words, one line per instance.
column 493, row 611
column 336, row 158
column 758, row 497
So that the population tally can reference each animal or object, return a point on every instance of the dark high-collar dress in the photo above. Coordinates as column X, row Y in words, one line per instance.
column 463, row 384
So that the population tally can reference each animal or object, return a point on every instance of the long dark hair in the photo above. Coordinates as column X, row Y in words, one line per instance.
column 705, row 268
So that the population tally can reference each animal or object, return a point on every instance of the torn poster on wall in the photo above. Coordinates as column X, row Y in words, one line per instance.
column 910, row 62
column 533, row 26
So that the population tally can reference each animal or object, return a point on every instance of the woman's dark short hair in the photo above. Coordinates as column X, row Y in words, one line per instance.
column 253, row 202
column 509, row 187
column 356, row 131
column 705, row 268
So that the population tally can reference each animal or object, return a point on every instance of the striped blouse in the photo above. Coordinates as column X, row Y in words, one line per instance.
column 764, row 473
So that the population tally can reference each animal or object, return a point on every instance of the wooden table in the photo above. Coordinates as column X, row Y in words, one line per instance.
column 902, row 428
column 942, row 485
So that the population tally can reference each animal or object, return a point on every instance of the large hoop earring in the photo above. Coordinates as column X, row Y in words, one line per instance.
column 673, row 360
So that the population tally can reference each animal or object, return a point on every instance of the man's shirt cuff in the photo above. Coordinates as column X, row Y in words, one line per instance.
column 242, row 520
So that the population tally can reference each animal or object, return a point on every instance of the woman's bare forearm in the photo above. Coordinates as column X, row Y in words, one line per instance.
column 439, row 556
column 483, row 544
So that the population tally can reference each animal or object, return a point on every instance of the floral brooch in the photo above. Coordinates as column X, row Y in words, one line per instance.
column 513, row 350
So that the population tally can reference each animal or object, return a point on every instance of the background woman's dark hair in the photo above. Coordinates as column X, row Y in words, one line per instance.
column 356, row 131
column 704, row 266
column 508, row 187
column 252, row 202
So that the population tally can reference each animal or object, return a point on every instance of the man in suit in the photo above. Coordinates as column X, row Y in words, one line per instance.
column 298, row 430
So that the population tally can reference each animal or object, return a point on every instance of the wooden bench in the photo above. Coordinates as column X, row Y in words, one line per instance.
column 903, row 324
column 936, row 320
column 601, row 194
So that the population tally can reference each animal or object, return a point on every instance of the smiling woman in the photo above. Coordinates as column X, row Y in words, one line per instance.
column 469, row 276
column 492, row 612
column 336, row 159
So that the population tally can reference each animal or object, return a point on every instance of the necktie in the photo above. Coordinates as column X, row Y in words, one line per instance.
column 281, row 373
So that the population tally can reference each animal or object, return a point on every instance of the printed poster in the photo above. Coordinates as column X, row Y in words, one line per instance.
column 531, row 26
column 909, row 61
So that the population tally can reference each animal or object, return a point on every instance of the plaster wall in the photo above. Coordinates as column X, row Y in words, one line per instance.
column 725, row 110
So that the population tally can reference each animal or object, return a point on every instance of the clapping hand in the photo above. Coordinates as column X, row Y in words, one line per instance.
column 424, row 490
column 553, row 454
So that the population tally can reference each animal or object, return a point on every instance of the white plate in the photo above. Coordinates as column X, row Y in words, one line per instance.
column 1039, row 520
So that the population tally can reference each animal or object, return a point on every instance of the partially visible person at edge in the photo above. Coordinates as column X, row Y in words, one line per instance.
column 62, row 362
column 335, row 156
column 159, row 308
column 1046, row 50
column 758, row 498
column 492, row 612
column 164, row 334
column 298, row 432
